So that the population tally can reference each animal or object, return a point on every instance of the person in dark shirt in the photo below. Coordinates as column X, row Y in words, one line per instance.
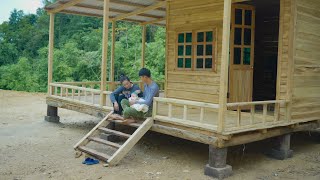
column 151, row 89
column 123, row 92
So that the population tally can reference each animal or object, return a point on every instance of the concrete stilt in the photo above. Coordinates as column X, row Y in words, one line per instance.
column 52, row 114
column 282, row 149
column 217, row 166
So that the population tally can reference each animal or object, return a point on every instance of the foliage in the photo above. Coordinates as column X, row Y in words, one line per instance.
column 77, row 50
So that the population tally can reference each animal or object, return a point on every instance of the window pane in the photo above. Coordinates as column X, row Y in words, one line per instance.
column 247, row 36
column 181, row 38
column 248, row 17
column 209, row 36
column 188, row 50
column 189, row 37
column 199, row 50
column 199, row 63
column 200, row 36
column 237, row 56
column 188, row 63
column 208, row 63
column 238, row 18
column 180, row 50
column 180, row 62
column 246, row 56
column 237, row 36
column 208, row 49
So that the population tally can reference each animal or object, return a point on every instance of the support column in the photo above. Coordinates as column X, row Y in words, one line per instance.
column 143, row 45
column 224, row 64
column 104, row 52
column 112, row 85
column 50, row 53
column 281, row 150
column 217, row 166
column 52, row 114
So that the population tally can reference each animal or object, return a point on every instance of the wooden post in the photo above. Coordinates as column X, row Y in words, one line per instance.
column 291, row 53
column 50, row 53
column 112, row 85
column 224, row 65
column 143, row 45
column 167, row 46
column 104, row 52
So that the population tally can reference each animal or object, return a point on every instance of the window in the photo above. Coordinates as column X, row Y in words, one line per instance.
column 184, row 50
column 205, row 50
column 196, row 50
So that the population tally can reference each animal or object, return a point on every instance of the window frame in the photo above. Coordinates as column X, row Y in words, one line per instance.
column 184, row 56
column 194, row 56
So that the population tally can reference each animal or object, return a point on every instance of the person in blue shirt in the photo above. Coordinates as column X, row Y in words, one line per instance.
column 151, row 89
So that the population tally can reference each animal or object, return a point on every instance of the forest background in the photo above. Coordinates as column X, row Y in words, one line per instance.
column 77, row 50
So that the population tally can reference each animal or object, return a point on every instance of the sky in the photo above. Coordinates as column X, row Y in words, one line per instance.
column 28, row 6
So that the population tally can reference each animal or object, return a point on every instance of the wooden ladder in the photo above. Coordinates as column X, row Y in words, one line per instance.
column 122, row 150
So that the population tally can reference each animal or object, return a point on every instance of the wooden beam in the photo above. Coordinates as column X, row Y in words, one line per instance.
column 224, row 65
column 80, row 13
column 139, row 11
column 112, row 55
column 144, row 29
column 125, row 3
column 104, row 52
column 64, row 6
column 153, row 21
column 50, row 53
column 90, row 7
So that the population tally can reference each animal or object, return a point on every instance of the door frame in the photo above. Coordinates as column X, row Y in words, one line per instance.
column 232, row 26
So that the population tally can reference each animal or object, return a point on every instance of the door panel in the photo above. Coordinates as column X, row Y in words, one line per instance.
column 241, row 53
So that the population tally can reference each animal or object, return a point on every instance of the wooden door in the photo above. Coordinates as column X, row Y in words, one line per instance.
column 241, row 53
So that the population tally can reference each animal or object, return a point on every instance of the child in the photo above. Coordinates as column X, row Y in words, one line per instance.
column 139, row 107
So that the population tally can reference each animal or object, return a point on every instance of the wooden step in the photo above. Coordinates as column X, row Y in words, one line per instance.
column 110, row 131
column 94, row 153
column 134, row 138
column 105, row 142
column 136, row 125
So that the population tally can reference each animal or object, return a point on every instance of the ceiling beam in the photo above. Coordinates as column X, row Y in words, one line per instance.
column 114, row 10
column 140, row 11
column 153, row 21
column 132, row 4
column 64, row 6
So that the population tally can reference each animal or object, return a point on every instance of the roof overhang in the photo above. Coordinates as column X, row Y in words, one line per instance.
column 140, row 11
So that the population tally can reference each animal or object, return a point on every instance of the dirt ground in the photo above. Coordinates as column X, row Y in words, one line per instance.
column 31, row 148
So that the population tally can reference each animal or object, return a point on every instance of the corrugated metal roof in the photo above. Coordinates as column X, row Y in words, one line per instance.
column 117, row 8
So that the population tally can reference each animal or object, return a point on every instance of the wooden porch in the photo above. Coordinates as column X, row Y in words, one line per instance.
column 196, row 121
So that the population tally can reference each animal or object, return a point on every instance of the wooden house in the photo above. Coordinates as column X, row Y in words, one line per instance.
column 237, row 71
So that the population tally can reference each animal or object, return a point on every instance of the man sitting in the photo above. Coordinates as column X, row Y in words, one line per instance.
column 151, row 89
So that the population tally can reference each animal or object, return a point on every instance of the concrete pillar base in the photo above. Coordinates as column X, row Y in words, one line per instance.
column 282, row 149
column 217, row 166
column 219, row 173
column 52, row 114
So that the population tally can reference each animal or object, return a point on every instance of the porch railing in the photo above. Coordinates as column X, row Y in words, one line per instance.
column 182, row 117
column 258, row 119
column 79, row 92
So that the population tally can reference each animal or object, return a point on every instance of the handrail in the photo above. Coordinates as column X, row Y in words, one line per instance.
column 282, row 102
column 186, row 102
column 185, row 120
column 75, row 87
